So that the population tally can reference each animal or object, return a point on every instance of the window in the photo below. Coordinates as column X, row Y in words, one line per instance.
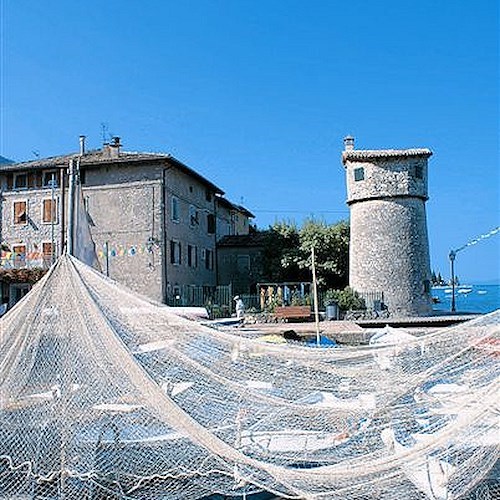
column 359, row 174
column 209, row 259
column 48, row 252
column 19, row 252
column 49, row 211
column 419, row 171
column 175, row 252
column 208, row 195
column 20, row 213
column 192, row 256
column 50, row 179
column 175, row 209
column 20, row 181
column 210, row 223
column 193, row 216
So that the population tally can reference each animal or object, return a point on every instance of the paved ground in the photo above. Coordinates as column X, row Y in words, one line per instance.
column 355, row 333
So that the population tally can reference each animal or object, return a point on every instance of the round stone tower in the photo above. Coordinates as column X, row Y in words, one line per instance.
column 389, row 247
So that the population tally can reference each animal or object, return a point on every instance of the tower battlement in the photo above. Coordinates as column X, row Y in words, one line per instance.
column 373, row 174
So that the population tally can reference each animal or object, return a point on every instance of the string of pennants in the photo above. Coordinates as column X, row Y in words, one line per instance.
column 124, row 250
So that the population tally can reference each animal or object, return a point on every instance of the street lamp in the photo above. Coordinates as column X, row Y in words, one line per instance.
column 452, row 265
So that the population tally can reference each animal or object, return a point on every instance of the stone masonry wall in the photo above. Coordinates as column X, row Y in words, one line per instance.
column 389, row 253
column 129, row 216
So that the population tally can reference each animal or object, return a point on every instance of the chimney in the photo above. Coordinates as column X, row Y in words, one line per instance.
column 82, row 145
column 348, row 143
column 115, row 147
column 112, row 150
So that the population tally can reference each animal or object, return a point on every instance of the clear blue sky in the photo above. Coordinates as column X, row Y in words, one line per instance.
column 257, row 96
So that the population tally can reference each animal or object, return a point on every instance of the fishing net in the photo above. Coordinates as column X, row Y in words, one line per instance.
column 105, row 394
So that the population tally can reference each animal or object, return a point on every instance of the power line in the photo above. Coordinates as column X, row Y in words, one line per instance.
column 295, row 211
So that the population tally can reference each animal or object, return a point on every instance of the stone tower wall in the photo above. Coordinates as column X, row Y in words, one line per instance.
column 389, row 248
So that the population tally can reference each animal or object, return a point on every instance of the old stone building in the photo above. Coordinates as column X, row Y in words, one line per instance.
column 153, row 218
column 389, row 248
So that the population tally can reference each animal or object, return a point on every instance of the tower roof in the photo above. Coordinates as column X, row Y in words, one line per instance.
column 368, row 154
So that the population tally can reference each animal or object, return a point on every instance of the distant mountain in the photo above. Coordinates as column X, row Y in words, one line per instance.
column 5, row 161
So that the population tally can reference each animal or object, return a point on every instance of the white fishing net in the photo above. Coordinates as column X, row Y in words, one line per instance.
column 104, row 394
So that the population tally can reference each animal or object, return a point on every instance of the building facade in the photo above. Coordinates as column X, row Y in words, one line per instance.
column 389, row 247
column 240, row 261
column 153, row 219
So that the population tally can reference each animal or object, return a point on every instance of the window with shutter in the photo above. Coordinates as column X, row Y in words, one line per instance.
column 19, row 252
column 20, row 215
column 49, row 209
column 48, row 251
column 210, row 224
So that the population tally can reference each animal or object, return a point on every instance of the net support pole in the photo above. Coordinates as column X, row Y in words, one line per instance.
column 452, row 272
column 71, row 206
column 315, row 292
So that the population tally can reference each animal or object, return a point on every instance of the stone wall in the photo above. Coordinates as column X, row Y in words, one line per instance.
column 35, row 231
column 118, row 219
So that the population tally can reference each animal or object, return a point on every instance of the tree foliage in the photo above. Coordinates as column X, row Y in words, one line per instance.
column 287, row 252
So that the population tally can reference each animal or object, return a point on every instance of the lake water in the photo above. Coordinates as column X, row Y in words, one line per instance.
column 469, row 298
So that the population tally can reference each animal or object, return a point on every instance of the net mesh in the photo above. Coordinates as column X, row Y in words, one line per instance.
column 105, row 394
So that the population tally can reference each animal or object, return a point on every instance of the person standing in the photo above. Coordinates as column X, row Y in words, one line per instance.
column 240, row 307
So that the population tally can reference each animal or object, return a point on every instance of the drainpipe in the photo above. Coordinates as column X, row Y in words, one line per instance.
column 62, row 181
column 216, row 253
column 164, row 235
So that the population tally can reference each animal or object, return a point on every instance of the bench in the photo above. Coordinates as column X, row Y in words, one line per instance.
column 292, row 312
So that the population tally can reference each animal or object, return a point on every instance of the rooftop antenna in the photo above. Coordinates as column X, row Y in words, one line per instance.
column 104, row 132
column 36, row 153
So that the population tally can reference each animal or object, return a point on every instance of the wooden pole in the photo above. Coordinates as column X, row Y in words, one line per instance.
column 315, row 291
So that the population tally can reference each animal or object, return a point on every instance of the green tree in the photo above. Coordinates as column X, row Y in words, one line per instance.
column 287, row 252
column 279, row 240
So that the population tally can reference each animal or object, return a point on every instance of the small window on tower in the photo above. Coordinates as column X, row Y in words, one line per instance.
column 359, row 174
column 419, row 171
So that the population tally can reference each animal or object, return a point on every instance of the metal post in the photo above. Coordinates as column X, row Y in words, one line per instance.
column 106, row 246
column 52, row 214
column 315, row 291
column 71, row 206
column 452, row 265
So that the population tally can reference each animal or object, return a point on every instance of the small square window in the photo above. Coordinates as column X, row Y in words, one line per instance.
column 21, row 181
column 359, row 174
column 50, row 179
column 20, row 212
